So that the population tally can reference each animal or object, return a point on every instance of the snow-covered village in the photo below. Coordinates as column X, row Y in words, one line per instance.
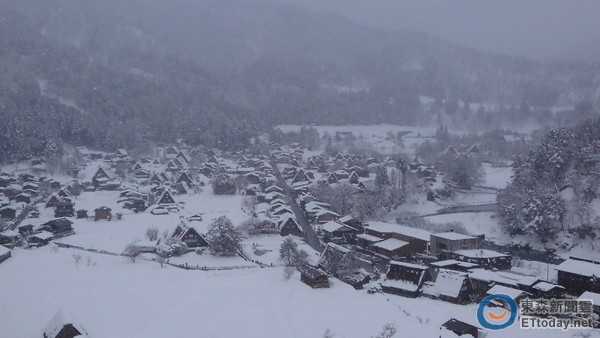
column 302, row 169
column 271, row 238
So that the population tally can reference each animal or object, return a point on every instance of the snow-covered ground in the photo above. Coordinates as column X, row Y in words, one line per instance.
column 378, row 135
column 116, row 298
column 496, row 177
column 113, row 236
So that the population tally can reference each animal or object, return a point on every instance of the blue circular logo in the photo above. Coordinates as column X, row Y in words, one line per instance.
column 497, row 320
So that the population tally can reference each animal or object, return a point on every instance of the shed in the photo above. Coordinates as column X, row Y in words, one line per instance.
column 313, row 277
column 60, row 327
column 460, row 328
column 5, row 253
column 102, row 213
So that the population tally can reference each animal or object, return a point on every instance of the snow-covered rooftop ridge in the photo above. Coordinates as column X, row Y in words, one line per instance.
column 504, row 290
column 332, row 226
column 545, row 286
column 452, row 236
column 400, row 229
column 505, row 277
column 579, row 267
column 58, row 321
column 409, row 265
column 588, row 295
column 338, row 247
column 390, row 244
column 480, row 253
column 447, row 283
column 3, row 250
column 369, row 238
column 400, row 284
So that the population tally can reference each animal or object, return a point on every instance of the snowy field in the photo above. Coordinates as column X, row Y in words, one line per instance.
column 496, row 177
column 113, row 236
column 116, row 298
column 377, row 135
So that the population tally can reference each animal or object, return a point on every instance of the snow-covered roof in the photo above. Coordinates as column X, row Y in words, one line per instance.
column 545, row 286
column 504, row 290
column 346, row 218
column 9, row 233
column 408, row 265
column 400, row 229
column 447, row 262
column 480, row 253
column 43, row 235
column 400, row 284
column 453, row 236
column 594, row 297
column 369, row 238
column 316, row 204
column 273, row 195
column 325, row 212
column 390, row 244
column 338, row 247
column 579, row 267
column 3, row 250
column 280, row 208
column 56, row 324
column 447, row 283
column 504, row 277
column 332, row 226
column 283, row 220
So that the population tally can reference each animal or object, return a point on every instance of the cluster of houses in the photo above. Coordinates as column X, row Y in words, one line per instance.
column 448, row 266
column 143, row 185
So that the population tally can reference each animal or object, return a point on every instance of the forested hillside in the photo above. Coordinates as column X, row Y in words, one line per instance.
column 556, row 186
column 119, row 74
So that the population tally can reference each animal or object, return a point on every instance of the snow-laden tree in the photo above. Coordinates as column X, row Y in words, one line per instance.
column 381, row 177
column 152, row 234
column 224, row 185
column 132, row 251
column 223, row 237
column 288, row 251
column 290, row 254
column 347, row 265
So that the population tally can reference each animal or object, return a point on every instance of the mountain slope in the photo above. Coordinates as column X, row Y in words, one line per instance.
column 139, row 61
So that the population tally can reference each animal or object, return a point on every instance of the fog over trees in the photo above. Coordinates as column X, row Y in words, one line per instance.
column 112, row 74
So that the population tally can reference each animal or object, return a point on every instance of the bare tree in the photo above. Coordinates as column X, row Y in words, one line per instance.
column 388, row 331
column 162, row 261
column 328, row 334
column 132, row 251
column 249, row 204
column 77, row 258
column 288, row 272
column 152, row 234
column 301, row 257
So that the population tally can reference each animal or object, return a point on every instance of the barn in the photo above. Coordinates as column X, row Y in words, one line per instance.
column 313, row 277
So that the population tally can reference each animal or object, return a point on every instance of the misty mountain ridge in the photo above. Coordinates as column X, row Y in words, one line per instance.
column 266, row 63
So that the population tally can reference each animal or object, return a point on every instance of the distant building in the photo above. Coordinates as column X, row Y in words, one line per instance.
column 313, row 277
column 405, row 279
column 578, row 276
column 5, row 253
column 453, row 241
column 454, row 327
column 60, row 327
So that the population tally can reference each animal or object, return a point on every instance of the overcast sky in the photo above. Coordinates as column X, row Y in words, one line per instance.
column 541, row 29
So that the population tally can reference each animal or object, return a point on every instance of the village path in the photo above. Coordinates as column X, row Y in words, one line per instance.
column 310, row 235
column 23, row 215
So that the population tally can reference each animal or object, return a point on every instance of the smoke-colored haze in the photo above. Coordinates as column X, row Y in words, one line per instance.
column 541, row 29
